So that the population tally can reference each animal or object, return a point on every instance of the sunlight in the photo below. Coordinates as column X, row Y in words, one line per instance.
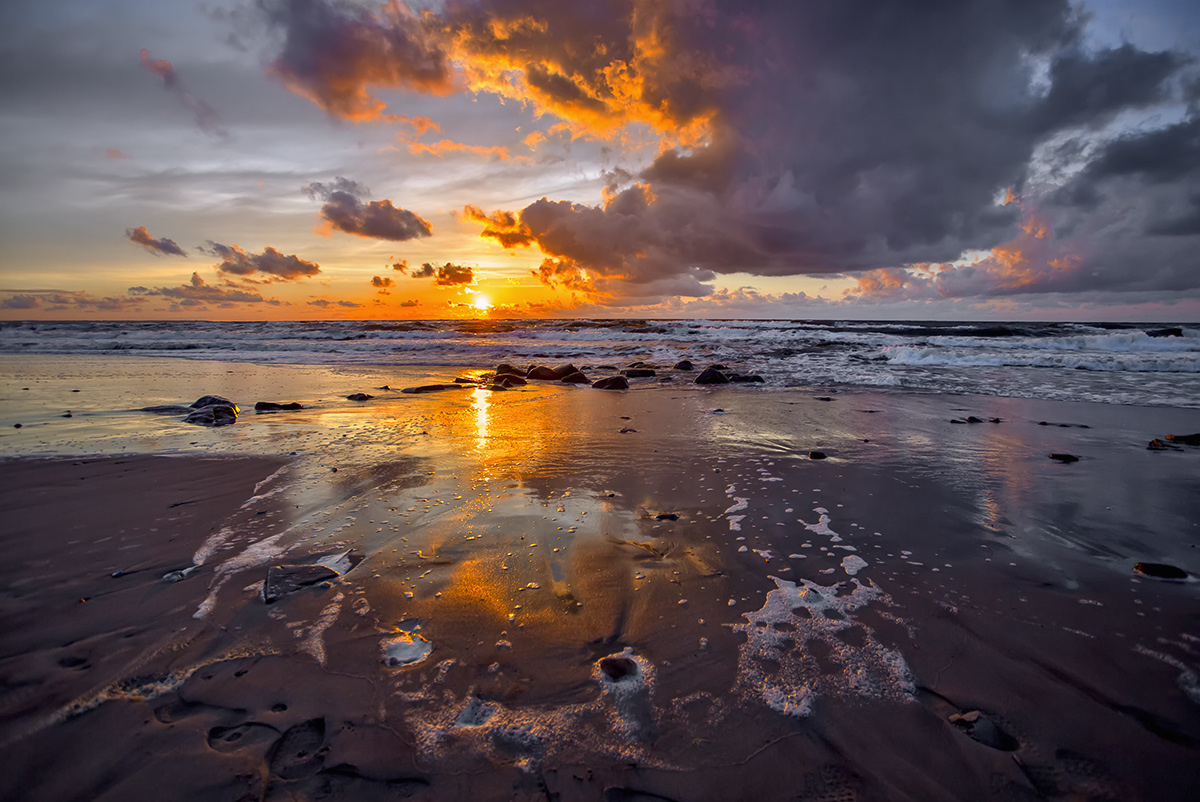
column 481, row 303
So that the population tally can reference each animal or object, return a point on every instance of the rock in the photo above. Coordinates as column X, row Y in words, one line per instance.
column 1159, row 445
column 284, row 579
column 1065, row 458
column 543, row 373
column 611, row 383
column 667, row 516
column 507, row 380
column 747, row 377
column 1064, row 425
column 211, row 400
column 711, row 376
column 1160, row 571
column 275, row 406
column 1173, row 331
column 638, row 364
column 384, row 387
column 684, row 364
column 598, row 367
column 627, row 430
column 504, row 367
column 973, row 419
column 956, row 420
column 431, row 388
column 638, row 373
column 467, row 380
column 566, row 370
column 359, row 397
column 576, row 378
column 1186, row 439
column 215, row 415
column 816, row 455
column 718, row 367
column 823, row 398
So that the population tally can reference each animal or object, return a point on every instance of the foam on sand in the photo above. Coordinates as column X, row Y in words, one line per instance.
column 792, row 618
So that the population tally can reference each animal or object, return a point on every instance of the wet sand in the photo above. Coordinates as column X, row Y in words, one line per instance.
column 690, row 610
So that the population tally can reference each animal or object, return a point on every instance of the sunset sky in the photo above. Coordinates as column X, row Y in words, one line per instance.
column 298, row 159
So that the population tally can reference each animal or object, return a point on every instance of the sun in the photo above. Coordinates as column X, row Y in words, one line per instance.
column 481, row 303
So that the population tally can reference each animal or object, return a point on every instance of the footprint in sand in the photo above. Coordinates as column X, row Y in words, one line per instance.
column 243, row 736
column 298, row 753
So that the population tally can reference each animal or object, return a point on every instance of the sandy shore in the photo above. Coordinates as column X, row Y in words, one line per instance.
column 565, row 593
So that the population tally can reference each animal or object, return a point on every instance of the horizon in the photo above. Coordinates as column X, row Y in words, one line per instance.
column 333, row 160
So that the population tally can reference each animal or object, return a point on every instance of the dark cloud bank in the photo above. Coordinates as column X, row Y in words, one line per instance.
column 345, row 210
column 811, row 138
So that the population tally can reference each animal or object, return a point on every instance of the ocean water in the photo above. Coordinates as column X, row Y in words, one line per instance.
column 1145, row 364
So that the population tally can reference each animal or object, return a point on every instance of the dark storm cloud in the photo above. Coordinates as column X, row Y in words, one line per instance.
column 446, row 275
column 345, row 210
column 270, row 262
column 333, row 51
column 206, row 117
column 156, row 246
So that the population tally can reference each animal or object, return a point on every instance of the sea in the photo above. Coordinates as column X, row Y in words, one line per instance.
column 1116, row 363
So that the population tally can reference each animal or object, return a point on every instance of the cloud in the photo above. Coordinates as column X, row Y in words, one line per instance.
column 270, row 262
column 444, row 146
column 409, row 303
column 446, row 275
column 20, row 302
column 69, row 300
column 345, row 210
column 197, row 293
column 158, row 247
column 332, row 52
column 382, row 281
column 206, row 117
column 116, row 155
column 325, row 303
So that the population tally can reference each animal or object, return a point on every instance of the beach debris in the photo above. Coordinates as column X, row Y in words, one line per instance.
column 359, row 397
column 1160, row 571
column 711, row 376
column 684, row 364
column 638, row 373
column 285, row 579
column 1186, row 439
column 611, row 383
column 405, row 649
column 180, row 575
column 816, row 455
column 1064, row 457
column 277, row 406
column 983, row 729
column 747, row 378
column 576, row 378
column 431, row 388
column 1159, row 445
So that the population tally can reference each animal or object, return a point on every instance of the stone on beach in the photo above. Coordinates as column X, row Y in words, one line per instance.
column 711, row 376
column 638, row 373
column 506, row 380
column 431, row 388
column 1064, row 457
column 277, row 406
column 1159, row 445
column 359, row 397
column 684, row 364
column 611, row 383
column 746, row 378
column 211, row 401
column 1160, row 571
column 1186, row 439
column 214, row 415
column 576, row 378
column 543, row 373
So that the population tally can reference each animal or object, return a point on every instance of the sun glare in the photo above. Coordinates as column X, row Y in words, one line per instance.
column 481, row 303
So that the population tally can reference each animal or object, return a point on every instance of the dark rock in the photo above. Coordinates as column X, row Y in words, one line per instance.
column 956, row 420
column 611, row 383
column 667, row 516
column 816, row 455
column 638, row 373
column 67, row 414
column 566, row 370
column 504, row 367
column 431, row 388
column 628, row 430
column 17, row 425
column 1186, row 439
column 823, row 398
column 973, row 419
column 1173, row 331
column 637, row 365
column 598, row 367
column 284, row 579
column 359, row 397
column 684, row 364
column 718, row 367
column 995, row 420
column 275, row 406
column 543, row 373
column 1160, row 571
column 1065, row 458
column 214, row 415
column 747, row 377
column 711, row 376
column 384, row 387
column 507, row 380
column 1159, row 445
column 576, row 378
column 1064, row 425
column 211, row 400
column 467, row 380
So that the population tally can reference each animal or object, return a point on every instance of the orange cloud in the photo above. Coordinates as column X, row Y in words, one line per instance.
column 444, row 146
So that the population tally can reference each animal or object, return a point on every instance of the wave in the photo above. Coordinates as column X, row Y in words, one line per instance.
column 1128, row 362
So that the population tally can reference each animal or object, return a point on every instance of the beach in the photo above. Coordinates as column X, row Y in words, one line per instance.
column 673, row 591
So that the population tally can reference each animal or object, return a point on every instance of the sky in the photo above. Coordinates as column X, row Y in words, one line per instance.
column 822, row 159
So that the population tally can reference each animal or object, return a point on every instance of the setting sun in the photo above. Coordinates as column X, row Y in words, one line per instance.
column 482, row 303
